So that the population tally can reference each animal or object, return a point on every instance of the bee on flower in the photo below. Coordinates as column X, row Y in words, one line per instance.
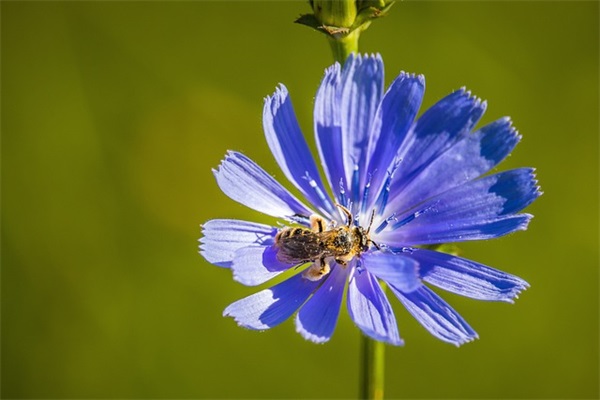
column 395, row 184
column 321, row 246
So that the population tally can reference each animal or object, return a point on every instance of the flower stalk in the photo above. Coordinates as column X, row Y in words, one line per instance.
column 373, row 373
column 343, row 47
column 372, row 383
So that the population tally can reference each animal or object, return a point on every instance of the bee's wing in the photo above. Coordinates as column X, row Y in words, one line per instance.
column 328, row 241
column 299, row 248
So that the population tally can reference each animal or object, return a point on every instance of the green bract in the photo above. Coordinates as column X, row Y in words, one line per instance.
column 343, row 20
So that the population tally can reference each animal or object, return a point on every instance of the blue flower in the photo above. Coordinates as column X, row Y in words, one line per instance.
column 407, row 182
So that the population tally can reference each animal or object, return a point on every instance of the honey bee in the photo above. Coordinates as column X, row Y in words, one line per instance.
column 320, row 245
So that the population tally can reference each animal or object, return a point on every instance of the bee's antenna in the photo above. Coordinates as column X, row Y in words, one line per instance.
column 369, row 229
column 347, row 212
column 375, row 244
column 371, row 223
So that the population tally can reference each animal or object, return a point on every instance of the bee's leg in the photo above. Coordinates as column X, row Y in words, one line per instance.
column 343, row 260
column 301, row 263
column 318, row 270
column 317, row 223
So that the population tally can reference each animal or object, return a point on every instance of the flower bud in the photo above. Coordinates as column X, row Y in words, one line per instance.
column 343, row 21
column 338, row 13
column 339, row 18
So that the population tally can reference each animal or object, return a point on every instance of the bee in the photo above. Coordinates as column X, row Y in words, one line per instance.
column 319, row 245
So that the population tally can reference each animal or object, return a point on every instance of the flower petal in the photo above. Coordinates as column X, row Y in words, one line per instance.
column 328, row 129
column 466, row 277
column 223, row 237
column 370, row 309
column 244, row 181
column 316, row 320
column 289, row 148
column 394, row 117
column 468, row 159
column 396, row 269
column 254, row 265
column 440, row 127
column 436, row 316
column 480, row 209
column 270, row 307
column 345, row 106
column 361, row 91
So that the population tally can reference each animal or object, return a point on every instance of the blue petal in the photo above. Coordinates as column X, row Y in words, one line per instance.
column 396, row 269
column 254, row 265
column 289, row 148
column 328, row 129
column 436, row 316
column 467, row 278
column 440, row 127
column 270, row 307
column 370, row 309
column 395, row 116
column 360, row 97
column 345, row 107
column 470, row 158
column 223, row 237
column 245, row 182
column 480, row 209
column 316, row 320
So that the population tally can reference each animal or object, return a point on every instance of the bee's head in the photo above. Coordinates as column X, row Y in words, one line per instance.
column 362, row 238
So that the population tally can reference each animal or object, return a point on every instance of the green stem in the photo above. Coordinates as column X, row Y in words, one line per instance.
column 373, row 367
column 342, row 47
column 373, row 372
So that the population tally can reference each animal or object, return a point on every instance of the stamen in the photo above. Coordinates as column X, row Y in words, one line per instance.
column 385, row 223
column 402, row 249
column 383, row 197
column 343, row 199
column 412, row 216
column 322, row 196
column 355, row 182
column 406, row 220
column 385, row 193
column 384, row 248
column 363, row 209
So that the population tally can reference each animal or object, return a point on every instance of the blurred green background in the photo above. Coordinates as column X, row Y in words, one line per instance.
column 114, row 113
